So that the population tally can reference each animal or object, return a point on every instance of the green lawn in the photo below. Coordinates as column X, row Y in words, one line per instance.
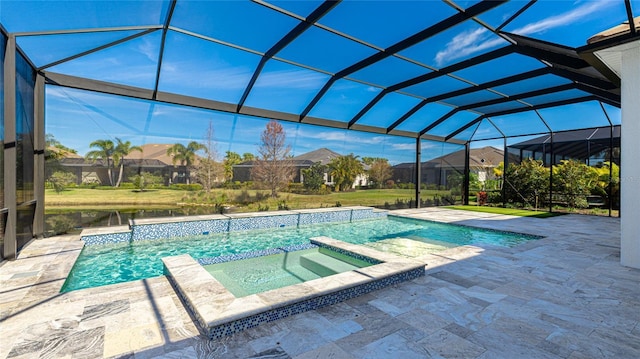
column 84, row 198
column 507, row 211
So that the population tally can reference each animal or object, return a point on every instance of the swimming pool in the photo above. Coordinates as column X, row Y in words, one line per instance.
column 121, row 262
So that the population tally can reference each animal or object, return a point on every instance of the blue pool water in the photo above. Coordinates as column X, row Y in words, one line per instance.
column 115, row 263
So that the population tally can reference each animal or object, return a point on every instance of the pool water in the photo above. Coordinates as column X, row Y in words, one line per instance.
column 121, row 262
column 260, row 274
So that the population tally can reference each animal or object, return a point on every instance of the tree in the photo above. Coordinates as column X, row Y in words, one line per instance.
column 345, row 170
column 606, row 183
column 54, row 152
column 527, row 182
column 122, row 150
column 208, row 170
column 61, row 179
column 370, row 160
column 248, row 156
column 314, row 177
column 144, row 179
column 185, row 155
column 104, row 152
column 380, row 171
column 574, row 180
column 273, row 167
column 230, row 159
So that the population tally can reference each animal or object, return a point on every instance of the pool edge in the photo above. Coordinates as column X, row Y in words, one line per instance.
column 218, row 313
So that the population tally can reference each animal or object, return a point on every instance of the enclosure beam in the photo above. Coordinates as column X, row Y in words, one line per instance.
column 10, row 198
column 39, row 154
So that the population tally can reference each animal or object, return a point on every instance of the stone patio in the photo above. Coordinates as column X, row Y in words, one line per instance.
column 563, row 296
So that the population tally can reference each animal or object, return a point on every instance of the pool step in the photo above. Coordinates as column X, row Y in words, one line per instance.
column 324, row 265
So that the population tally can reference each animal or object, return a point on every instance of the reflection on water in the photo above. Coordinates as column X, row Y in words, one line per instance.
column 58, row 222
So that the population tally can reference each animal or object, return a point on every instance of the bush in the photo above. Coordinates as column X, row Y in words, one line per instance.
column 60, row 179
column 127, row 185
column 482, row 198
column 295, row 187
column 282, row 206
column 494, row 197
column 261, row 196
column 244, row 197
column 143, row 180
column 574, row 180
column 185, row 187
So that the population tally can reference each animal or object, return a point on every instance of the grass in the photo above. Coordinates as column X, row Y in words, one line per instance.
column 507, row 211
column 84, row 198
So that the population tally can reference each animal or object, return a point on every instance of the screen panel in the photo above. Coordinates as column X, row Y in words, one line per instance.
column 205, row 69
column 344, row 100
column 132, row 63
column 388, row 110
column 285, row 87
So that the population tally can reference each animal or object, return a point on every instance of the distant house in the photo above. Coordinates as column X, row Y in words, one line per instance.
column 482, row 161
column 153, row 159
column 242, row 171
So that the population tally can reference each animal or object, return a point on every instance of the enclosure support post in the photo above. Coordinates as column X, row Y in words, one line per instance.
column 418, row 171
column 465, row 189
column 505, row 165
column 39, row 153
column 10, row 196
column 551, row 173
column 609, row 187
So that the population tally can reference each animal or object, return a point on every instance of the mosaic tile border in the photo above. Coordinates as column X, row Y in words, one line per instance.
column 229, row 223
column 110, row 238
column 310, row 304
column 346, row 252
column 254, row 254
column 218, row 313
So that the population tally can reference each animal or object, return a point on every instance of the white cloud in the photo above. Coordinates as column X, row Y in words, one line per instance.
column 575, row 14
column 291, row 79
column 466, row 43
column 404, row 146
column 149, row 49
column 476, row 40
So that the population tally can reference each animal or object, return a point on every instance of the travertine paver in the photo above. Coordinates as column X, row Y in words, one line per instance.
column 563, row 296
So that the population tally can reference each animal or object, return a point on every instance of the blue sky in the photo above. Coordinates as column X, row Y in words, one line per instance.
column 220, row 69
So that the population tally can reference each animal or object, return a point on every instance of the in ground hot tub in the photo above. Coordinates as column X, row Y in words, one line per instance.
column 219, row 312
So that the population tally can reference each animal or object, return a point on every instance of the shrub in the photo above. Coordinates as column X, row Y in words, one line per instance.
column 574, row 180
column 295, row 187
column 494, row 197
column 482, row 198
column 282, row 206
column 60, row 179
column 143, row 180
column 185, row 187
column 243, row 197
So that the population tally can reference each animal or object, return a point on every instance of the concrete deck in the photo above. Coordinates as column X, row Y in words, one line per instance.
column 563, row 296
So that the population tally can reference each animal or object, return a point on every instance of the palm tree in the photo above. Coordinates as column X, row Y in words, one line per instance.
column 122, row 150
column 105, row 152
column 345, row 170
column 185, row 155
